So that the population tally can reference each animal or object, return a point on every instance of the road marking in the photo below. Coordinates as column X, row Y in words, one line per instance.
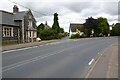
column 12, row 66
column 36, row 46
column 26, row 62
column 90, row 62
column 92, row 67
column 89, row 72
column 17, row 50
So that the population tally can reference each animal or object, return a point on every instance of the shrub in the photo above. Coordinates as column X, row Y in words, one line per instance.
column 60, row 35
column 47, row 34
column 74, row 36
column 83, row 36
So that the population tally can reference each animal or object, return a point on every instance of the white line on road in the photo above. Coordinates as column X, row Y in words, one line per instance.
column 28, row 47
column 90, row 62
column 17, row 49
column 6, row 68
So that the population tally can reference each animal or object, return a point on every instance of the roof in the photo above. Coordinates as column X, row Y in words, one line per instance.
column 20, row 15
column 7, row 18
column 73, row 27
column 46, row 26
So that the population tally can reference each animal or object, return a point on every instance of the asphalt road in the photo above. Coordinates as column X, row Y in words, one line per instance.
column 63, row 59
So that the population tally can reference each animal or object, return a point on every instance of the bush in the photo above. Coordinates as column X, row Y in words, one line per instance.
column 47, row 34
column 74, row 36
column 83, row 36
column 60, row 35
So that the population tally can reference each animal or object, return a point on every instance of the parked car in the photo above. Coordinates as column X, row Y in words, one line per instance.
column 38, row 39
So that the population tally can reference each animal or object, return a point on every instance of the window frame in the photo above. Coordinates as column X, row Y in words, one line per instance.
column 30, row 24
column 7, row 31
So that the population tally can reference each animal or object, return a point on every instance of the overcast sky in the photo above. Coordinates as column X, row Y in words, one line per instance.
column 70, row 11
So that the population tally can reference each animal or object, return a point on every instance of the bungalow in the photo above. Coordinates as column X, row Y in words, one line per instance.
column 76, row 28
column 18, row 26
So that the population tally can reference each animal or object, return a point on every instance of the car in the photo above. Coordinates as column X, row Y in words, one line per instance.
column 38, row 39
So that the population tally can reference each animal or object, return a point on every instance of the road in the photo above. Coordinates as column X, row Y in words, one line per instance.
column 62, row 59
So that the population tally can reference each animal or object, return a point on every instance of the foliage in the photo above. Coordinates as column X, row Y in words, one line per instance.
column 61, row 30
column 99, row 26
column 103, row 25
column 56, row 26
column 41, row 26
column 87, row 32
column 60, row 35
column 116, row 30
column 53, row 33
column 66, row 34
column 74, row 36
column 91, row 24
column 47, row 34
column 97, row 32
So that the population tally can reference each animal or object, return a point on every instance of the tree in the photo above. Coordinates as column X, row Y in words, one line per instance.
column 56, row 26
column 91, row 24
column 61, row 30
column 116, row 30
column 39, row 29
column 87, row 32
column 104, row 26
column 41, row 26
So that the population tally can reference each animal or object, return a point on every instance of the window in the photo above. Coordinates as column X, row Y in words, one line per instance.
column 30, row 23
column 7, row 31
column 30, row 34
column 34, row 34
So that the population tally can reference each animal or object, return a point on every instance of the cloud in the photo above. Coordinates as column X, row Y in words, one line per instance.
column 69, row 11
column 74, row 12
column 111, row 8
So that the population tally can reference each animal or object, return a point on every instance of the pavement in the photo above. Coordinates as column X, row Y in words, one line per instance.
column 106, row 65
column 26, row 45
column 32, row 44
column 63, row 59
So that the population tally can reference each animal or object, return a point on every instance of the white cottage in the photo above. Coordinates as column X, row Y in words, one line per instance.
column 76, row 28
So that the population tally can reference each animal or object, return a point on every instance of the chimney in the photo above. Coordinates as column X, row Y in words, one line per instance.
column 46, row 23
column 15, row 9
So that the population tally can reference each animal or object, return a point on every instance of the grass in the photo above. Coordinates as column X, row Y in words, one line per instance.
column 7, row 44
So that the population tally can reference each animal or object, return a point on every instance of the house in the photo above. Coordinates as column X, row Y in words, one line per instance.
column 76, row 28
column 44, row 26
column 18, row 26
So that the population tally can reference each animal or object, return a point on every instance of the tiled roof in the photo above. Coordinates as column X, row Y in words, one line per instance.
column 19, row 15
column 7, row 18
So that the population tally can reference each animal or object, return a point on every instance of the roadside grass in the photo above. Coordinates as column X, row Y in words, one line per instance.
column 7, row 44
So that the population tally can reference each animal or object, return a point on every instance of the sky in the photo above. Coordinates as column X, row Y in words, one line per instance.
column 70, row 11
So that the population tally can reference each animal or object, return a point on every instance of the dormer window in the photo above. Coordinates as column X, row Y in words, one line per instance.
column 30, row 23
column 30, row 17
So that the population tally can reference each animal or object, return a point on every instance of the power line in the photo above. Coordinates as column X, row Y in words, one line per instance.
column 27, row 8
column 37, row 11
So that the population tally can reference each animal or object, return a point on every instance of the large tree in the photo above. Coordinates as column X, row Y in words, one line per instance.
column 104, row 26
column 116, row 30
column 55, row 25
column 91, row 24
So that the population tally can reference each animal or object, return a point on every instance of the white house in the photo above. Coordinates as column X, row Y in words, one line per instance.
column 76, row 28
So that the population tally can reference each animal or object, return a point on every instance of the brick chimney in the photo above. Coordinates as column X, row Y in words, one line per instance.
column 15, row 9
